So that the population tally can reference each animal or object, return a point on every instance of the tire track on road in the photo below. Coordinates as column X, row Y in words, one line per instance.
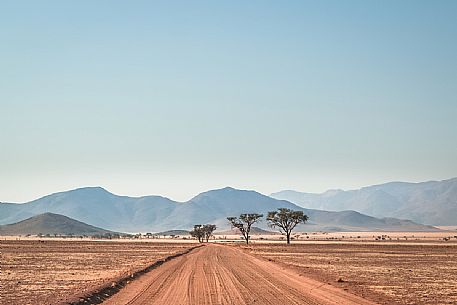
column 222, row 275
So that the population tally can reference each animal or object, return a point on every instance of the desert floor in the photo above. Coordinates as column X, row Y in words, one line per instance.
column 219, row 274
column 385, row 272
column 348, row 271
column 55, row 271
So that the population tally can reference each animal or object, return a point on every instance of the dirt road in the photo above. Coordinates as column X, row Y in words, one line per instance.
column 217, row 274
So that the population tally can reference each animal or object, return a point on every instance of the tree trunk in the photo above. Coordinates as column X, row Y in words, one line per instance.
column 288, row 238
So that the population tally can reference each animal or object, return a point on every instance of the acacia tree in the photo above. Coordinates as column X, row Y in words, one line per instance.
column 208, row 231
column 198, row 233
column 286, row 220
column 202, row 232
column 244, row 223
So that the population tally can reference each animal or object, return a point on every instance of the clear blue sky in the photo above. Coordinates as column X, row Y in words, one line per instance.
column 177, row 97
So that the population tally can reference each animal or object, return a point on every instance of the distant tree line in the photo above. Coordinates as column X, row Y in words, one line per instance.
column 93, row 236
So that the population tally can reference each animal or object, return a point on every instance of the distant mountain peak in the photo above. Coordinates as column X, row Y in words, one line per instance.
column 50, row 215
column 98, row 189
column 51, row 223
column 228, row 188
column 221, row 192
column 87, row 190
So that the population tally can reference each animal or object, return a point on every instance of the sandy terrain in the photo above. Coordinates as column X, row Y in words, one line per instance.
column 385, row 272
column 218, row 274
column 306, row 237
column 49, row 272
column 419, row 270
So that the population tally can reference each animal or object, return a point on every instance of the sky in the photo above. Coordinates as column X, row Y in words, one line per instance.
column 178, row 97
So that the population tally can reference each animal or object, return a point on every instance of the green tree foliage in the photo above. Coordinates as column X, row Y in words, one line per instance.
column 286, row 220
column 244, row 223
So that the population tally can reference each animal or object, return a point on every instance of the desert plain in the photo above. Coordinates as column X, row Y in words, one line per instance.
column 320, row 268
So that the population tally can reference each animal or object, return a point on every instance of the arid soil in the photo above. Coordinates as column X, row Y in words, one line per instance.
column 309, row 272
column 306, row 237
column 219, row 274
column 388, row 273
column 50, row 272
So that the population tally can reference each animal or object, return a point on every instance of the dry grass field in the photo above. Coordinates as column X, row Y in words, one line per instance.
column 49, row 272
column 385, row 272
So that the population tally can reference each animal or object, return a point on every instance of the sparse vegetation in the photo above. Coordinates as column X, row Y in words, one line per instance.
column 406, row 272
column 244, row 223
column 58, row 270
column 203, row 232
column 208, row 230
column 197, row 232
column 286, row 220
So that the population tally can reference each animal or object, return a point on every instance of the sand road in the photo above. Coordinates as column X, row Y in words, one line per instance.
column 218, row 274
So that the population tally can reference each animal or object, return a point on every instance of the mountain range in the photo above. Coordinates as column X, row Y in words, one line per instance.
column 98, row 207
column 433, row 202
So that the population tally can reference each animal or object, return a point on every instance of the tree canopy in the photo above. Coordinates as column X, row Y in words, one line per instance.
column 286, row 220
column 203, row 232
column 208, row 231
column 244, row 223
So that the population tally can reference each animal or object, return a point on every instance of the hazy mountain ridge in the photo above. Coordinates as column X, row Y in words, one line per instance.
column 98, row 207
column 432, row 202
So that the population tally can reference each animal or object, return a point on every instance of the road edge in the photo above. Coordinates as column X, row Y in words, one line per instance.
column 101, row 294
